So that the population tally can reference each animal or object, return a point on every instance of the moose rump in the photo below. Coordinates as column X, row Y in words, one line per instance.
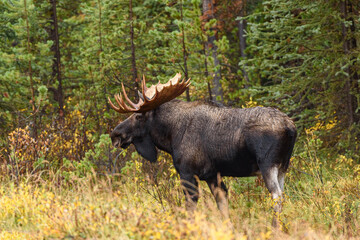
column 207, row 141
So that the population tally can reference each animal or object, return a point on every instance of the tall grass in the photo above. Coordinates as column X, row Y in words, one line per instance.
column 132, row 205
column 145, row 201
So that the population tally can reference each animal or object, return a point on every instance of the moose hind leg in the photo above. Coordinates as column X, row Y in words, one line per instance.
column 219, row 190
column 271, row 179
column 281, row 179
column 191, row 191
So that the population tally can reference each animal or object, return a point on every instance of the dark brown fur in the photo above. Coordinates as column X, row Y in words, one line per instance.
column 209, row 141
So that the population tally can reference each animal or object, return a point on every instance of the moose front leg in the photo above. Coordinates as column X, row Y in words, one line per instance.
column 191, row 191
column 219, row 190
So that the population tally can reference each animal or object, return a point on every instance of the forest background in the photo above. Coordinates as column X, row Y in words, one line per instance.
column 60, row 60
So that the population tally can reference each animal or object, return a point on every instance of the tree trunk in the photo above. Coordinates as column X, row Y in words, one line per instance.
column 133, row 56
column 185, row 54
column 242, row 39
column 354, row 68
column 99, row 59
column 208, row 14
column 349, row 43
column 207, row 72
column 34, row 127
column 58, row 93
column 101, row 66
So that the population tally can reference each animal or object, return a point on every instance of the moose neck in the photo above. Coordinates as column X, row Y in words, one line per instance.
column 163, row 125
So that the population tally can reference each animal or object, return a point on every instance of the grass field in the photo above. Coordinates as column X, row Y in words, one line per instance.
column 145, row 201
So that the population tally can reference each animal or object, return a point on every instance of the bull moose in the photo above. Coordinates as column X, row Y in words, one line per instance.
column 207, row 141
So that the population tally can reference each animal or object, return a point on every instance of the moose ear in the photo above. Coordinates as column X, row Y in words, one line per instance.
column 146, row 148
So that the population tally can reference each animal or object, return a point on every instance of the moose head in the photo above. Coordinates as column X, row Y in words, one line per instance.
column 134, row 129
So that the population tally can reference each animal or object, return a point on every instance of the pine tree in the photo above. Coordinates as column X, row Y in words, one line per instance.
column 304, row 54
column 25, row 60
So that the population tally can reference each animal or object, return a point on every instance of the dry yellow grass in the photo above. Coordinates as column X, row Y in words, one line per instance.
column 145, row 201
column 122, row 208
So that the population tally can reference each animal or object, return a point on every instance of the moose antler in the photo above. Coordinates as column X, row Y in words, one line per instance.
column 152, row 97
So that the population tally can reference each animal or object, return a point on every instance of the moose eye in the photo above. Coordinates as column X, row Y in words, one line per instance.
column 139, row 117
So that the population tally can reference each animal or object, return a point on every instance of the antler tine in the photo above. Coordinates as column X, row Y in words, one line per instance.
column 135, row 107
column 113, row 106
column 119, row 109
column 156, row 91
column 144, row 82
column 120, row 101
column 183, row 85
column 122, row 104
column 186, row 83
column 117, row 99
column 144, row 88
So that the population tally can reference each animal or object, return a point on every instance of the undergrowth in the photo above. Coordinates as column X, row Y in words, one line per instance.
column 322, row 202
column 114, row 194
